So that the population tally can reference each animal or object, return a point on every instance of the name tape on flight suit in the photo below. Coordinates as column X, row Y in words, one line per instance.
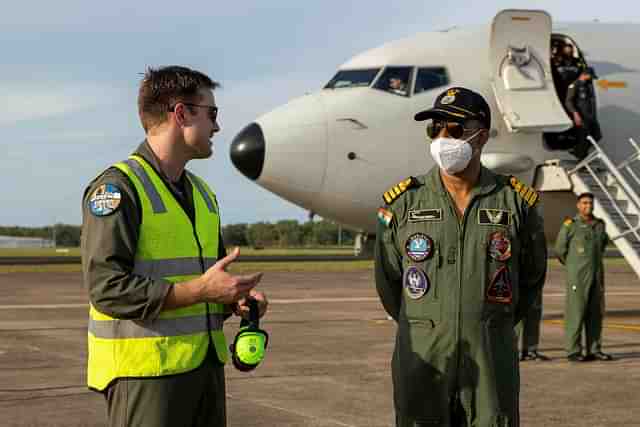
column 529, row 195
column 421, row 215
column 394, row 192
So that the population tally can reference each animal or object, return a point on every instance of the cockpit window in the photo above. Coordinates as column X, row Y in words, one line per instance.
column 352, row 78
column 395, row 80
column 431, row 78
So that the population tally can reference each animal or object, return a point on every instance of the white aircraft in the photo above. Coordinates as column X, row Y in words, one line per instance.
column 334, row 152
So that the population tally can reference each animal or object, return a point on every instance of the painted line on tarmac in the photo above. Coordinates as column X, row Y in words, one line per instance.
column 622, row 326
column 272, row 301
column 298, row 413
column 41, row 306
column 314, row 300
column 609, row 294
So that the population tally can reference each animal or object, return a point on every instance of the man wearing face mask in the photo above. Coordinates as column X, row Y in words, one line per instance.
column 460, row 258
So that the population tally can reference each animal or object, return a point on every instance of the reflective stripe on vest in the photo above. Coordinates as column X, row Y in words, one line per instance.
column 170, row 248
column 121, row 329
column 159, row 268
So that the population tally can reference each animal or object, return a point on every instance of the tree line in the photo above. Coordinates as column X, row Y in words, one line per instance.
column 284, row 233
column 64, row 234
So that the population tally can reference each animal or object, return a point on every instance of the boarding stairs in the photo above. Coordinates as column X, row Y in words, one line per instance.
column 616, row 200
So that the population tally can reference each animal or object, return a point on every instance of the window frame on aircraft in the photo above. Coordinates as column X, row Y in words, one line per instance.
column 380, row 79
column 375, row 72
column 445, row 74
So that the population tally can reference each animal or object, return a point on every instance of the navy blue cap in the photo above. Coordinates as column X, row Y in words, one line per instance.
column 458, row 104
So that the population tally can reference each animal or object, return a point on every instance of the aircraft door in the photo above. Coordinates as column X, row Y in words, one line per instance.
column 521, row 72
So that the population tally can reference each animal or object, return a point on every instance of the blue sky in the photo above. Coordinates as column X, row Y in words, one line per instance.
column 69, row 72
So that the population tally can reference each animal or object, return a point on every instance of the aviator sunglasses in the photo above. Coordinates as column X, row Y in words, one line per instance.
column 212, row 110
column 455, row 130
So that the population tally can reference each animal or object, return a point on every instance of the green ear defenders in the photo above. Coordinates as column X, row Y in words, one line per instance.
column 250, row 344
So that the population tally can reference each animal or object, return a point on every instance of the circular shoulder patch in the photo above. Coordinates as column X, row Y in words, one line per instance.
column 416, row 282
column 105, row 200
column 419, row 247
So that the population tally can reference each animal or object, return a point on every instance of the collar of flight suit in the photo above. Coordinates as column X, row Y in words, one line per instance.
column 579, row 219
column 486, row 184
column 145, row 151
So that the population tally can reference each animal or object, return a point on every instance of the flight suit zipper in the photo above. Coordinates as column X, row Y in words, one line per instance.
column 461, row 233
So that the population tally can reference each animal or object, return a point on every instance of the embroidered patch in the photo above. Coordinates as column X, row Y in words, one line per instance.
column 529, row 195
column 499, row 246
column 450, row 97
column 416, row 283
column 105, row 200
column 494, row 217
column 385, row 217
column 421, row 215
column 419, row 247
column 500, row 289
column 394, row 192
column 568, row 221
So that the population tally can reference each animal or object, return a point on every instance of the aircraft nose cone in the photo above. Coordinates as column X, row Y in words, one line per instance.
column 247, row 151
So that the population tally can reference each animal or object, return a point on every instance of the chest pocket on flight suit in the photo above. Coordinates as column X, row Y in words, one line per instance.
column 582, row 240
column 421, row 305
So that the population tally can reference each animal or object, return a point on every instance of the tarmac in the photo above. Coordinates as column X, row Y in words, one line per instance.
column 328, row 363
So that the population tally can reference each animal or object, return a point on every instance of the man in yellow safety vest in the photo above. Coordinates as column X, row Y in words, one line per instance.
column 155, row 266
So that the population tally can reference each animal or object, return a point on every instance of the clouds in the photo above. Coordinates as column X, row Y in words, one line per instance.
column 28, row 100
column 69, row 72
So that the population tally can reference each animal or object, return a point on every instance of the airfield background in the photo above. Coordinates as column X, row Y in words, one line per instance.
column 281, row 234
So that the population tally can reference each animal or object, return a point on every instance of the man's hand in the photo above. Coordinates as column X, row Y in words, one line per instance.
column 577, row 119
column 242, row 307
column 218, row 286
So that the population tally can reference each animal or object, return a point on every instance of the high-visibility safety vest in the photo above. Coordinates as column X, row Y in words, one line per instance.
column 170, row 247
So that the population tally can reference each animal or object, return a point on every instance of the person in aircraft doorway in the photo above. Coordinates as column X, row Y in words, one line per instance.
column 581, row 105
column 568, row 67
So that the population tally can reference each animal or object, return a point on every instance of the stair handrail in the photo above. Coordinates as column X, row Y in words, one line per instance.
column 626, row 188
column 629, row 228
column 632, row 197
column 626, row 164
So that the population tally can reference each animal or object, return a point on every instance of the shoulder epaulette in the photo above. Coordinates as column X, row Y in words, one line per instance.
column 394, row 192
column 529, row 195
column 568, row 221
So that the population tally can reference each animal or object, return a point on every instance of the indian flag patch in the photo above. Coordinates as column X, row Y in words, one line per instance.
column 384, row 217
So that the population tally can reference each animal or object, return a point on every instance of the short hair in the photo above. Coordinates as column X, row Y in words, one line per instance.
column 161, row 88
column 583, row 195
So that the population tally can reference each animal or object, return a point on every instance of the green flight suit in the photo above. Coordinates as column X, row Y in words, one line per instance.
column 455, row 359
column 529, row 327
column 580, row 247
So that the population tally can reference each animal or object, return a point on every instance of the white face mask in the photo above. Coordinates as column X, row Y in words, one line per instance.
column 452, row 155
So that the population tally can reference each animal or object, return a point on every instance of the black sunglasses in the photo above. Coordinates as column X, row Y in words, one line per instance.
column 213, row 110
column 454, row 129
